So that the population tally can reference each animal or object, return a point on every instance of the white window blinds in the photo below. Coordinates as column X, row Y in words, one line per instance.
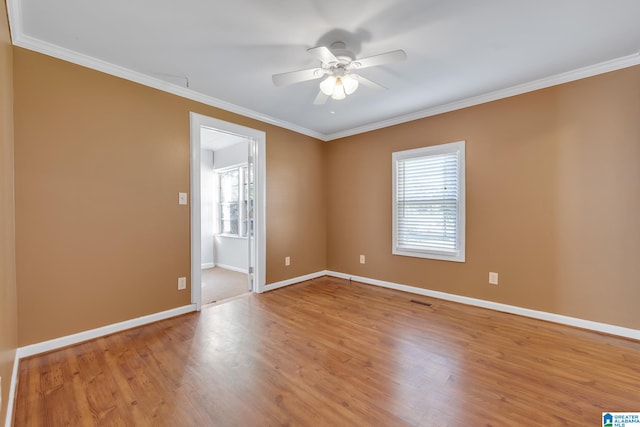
column 429, row 202
column 233, row 201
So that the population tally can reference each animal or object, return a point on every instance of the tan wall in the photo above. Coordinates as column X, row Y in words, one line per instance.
column 99, row 162
column 8, row 315
column 100, row 237
column 553, row 194
column 296, row 183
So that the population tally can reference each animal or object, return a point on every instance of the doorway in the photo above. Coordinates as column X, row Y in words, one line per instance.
column 227, row 209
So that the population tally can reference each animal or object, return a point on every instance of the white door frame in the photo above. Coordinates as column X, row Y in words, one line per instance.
column 259, row 137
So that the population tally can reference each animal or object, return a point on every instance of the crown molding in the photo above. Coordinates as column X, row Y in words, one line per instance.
column 20, row 39
column 68, row 55
column 14, row 13
column 569, row 76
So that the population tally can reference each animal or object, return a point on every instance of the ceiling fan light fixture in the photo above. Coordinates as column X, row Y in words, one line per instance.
column 336, row 65
column 338, row 87
column 328, row 85
column 338, row 90
column 350, row 84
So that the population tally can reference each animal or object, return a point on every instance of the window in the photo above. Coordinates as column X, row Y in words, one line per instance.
column 235, row 201
column 428, row 202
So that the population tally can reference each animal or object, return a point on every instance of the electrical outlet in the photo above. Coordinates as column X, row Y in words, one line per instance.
column 287, row 260
column 361, row 259
column 182, row 198
column 493, row 278
column 182, row 283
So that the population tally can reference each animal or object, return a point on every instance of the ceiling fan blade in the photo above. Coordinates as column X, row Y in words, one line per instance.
column 321, row 98
column 292, row 77
column 375, row 60
column 368, row 83
column 323, row 54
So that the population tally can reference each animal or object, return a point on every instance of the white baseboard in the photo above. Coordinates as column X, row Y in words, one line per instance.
column 294, row 280
column 526, row 312
column 68, row 340
column 54, row 344
column 232, row 268
column 12, row 391
column 207, row 265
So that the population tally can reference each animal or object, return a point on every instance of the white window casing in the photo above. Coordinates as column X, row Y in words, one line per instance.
column 429, row 202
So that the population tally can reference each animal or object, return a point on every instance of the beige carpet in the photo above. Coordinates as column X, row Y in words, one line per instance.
column 219, row 284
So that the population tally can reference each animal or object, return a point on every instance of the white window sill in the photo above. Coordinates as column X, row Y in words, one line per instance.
column 442, row 256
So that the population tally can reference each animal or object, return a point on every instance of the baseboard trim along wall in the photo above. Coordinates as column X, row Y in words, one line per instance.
column 12, row 391
column 526, row 312
column 207, row 265
column 56, row 343
column 294, row 280
column 68, row 340
column 232, row 268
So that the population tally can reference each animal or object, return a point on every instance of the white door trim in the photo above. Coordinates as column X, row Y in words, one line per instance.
column 196, row 122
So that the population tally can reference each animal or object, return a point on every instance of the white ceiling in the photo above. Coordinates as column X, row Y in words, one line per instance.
column 460, row 52
column 215, row 140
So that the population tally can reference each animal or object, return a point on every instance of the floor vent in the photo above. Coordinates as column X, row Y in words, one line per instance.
column 420, row 302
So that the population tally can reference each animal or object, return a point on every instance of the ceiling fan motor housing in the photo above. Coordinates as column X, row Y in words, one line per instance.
column 341, row 52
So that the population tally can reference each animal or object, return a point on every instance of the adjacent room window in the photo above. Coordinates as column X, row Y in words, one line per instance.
column 233, row 205
column 428, row 202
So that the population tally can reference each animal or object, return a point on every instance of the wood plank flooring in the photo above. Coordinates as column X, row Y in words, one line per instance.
column 330, row 353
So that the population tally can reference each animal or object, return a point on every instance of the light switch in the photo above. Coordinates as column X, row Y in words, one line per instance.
column 182, row 198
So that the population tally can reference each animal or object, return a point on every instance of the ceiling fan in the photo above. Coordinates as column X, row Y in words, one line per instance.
column 338, row 65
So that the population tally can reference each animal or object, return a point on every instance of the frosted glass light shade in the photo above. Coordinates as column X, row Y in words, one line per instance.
column 338, row 90
column 350, row 84
column 339, row 87
column 327, row 85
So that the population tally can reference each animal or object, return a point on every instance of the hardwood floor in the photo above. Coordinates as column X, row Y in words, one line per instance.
column 330, row 353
